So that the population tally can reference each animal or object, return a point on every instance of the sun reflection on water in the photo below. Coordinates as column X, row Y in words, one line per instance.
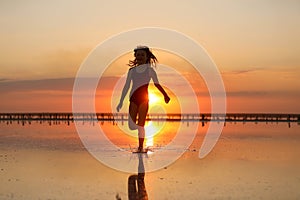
column 152, row 129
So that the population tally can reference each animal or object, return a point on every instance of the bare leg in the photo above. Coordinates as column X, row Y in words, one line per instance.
column 141, row 132
column 133, row 111
column 142, row 112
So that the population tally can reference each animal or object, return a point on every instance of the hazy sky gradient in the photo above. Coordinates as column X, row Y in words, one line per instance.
column 255, row 44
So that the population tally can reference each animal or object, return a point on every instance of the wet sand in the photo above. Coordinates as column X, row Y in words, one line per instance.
column 246, row 163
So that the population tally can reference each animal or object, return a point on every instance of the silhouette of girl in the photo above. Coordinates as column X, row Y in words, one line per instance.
column 140, row 74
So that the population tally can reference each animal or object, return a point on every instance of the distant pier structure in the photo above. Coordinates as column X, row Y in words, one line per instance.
column 203, row 117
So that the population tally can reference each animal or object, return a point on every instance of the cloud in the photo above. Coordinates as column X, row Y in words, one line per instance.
column 4, row 79
column 265, row 69
column 252, row 94
column 52, row 85
column 243, row 71
column 31, row 85
column 248, row 93
column 257, row 94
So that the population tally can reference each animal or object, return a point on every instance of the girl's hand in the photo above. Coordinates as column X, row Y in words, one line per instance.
column 119, row 106
column 167, row 99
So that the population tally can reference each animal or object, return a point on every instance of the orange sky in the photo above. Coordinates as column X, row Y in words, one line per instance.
column 255, row 46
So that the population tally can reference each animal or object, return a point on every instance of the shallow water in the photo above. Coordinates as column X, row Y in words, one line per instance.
column 250, row 161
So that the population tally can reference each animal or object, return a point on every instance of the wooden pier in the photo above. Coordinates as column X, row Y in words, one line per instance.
column 204, row 117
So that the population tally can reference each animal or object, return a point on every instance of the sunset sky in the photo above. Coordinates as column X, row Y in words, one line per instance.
column 255, row 45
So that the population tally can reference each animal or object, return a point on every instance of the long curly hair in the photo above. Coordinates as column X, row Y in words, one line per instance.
column 151, row 59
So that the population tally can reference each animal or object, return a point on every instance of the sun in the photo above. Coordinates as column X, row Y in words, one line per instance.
column 153, row 98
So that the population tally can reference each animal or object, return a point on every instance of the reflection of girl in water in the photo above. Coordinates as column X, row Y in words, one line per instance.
column 140, row 74
column 136, row 183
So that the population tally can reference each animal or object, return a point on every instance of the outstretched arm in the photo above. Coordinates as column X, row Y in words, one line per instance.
column 124, row 91
column 158, row 86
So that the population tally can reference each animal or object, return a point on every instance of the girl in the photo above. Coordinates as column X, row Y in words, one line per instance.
column 140, row 74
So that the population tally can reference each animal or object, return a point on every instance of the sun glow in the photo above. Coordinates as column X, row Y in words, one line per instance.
column 153, row 98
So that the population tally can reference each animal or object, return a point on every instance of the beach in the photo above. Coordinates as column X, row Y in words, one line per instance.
column 212, row 89
column 250, row 161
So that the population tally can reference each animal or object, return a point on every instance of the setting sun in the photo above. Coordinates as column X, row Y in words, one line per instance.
column 153, row 98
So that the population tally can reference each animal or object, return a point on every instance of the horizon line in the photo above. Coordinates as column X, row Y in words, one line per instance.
column 171, row 113
column 221, row 117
